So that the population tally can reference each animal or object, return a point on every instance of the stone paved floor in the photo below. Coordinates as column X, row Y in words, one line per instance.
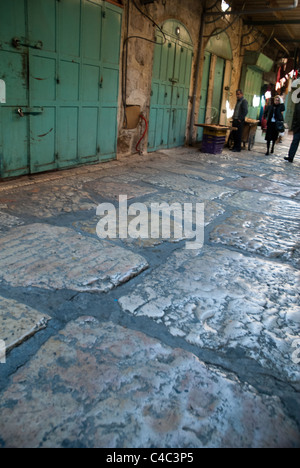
column 141, row 342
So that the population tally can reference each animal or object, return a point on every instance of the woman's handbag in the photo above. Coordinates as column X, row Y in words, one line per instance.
column 280, row 126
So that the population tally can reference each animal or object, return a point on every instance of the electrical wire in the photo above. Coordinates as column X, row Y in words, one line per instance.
column 221, row 17
column 256, row 39
column 224, row 29
column 250, row 30
column 213, row 6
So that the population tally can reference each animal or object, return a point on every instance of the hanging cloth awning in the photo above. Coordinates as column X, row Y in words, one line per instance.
column 219, row 44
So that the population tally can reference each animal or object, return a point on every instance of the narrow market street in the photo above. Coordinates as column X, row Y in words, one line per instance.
column 130, row 342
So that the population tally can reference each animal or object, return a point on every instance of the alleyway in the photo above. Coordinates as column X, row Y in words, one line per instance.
column 130, row 343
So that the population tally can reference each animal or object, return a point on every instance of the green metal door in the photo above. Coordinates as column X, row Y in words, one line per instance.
column 43, row 64
column 161, row 95
column 109, row 80
column 61, row 68
column 251, row 83
column 216, row 79
column 170, row 88
column 203, row 96
column 14, row 136
column 218, row 89
column 180, row 95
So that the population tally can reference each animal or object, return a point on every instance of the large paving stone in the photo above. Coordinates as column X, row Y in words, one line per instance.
column 112, row 188
column 211, row 211
column 46, row 200
column 259, row 184
column 192, row 170
column 102, row 385
column 220, row 299
column 52, row 257
column 18, row 322
column 266, row 204
column 260, row 234
column 180, row 183
column 7, row 221
column 287, row 179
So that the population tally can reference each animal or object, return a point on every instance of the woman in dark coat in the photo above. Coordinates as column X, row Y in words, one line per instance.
column 273, row 114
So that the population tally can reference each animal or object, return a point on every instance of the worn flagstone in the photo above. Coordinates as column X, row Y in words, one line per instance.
column 7, row 221
column 268, row 204
column 52, row 257
column 97, row 385
column 93, row 383
column 193, row 170
column 219, row 299
column 260, row 234
column 212, row 210
column 46, row 200
column 203, row 190
column 259, row 184
column 112, row 188
column 19, row 322
column 286, row 178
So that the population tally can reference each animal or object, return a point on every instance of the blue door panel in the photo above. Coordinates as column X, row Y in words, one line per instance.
column 89, row 145
column 67, row 136
column 14, row 143
column 69, row 27
column 42, row 24
column 109, row 85
column 12, row 14
column 90, row 83
column 108, row 132
column 13, row 71
column 68, row 89
column 91, row 31
column 42, row 140
column 42, row 79
column 111, row 28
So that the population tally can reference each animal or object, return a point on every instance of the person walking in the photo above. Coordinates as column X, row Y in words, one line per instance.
column 274, row 115
column 296, row 139
column 239, row 115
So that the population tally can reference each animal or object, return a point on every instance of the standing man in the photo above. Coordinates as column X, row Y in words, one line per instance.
column 296, row 129
column 239, row 115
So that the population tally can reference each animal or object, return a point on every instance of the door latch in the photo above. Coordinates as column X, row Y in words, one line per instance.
column 17, row 43
column 30, row 111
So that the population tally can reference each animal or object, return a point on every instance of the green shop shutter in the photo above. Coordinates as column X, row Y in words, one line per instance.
column 60, row 64
column 170, row 87
column 251, row 84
